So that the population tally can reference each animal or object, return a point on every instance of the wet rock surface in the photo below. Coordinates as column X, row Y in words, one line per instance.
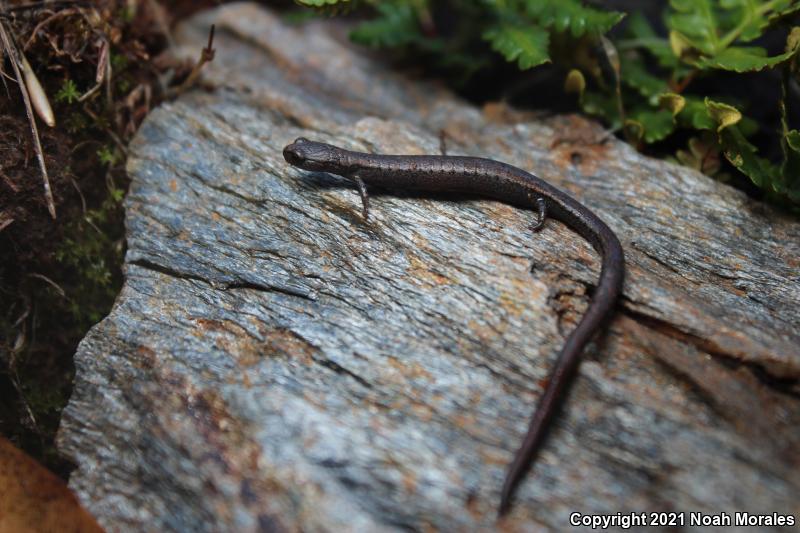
column 274, row 362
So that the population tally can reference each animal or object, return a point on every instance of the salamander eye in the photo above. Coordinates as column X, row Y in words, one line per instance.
column 292, row 155
column 301, row 140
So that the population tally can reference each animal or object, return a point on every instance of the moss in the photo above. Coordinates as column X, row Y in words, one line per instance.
column 58, row 278
column 58, row 309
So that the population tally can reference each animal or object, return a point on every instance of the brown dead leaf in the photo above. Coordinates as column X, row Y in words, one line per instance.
column 34, row 499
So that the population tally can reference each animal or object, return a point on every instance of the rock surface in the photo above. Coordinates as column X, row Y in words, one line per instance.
column 276, row 363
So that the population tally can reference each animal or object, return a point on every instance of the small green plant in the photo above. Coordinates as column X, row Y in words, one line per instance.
column 68, row 93
column 76, row 122
column 706, row 38
column 127, row 13
column 107, row 155
column 90, row 250
column 645, row 85
column 118, row 62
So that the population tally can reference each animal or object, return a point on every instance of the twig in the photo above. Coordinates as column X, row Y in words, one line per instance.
column 25, row 313
column 137, row 111
column 206, row 56
column 50, row 282
column 45, row 4
column 5, row 76
column 45, row 22
column 14, row 375
column 88, row 220
column 103, row 71
column 20, row 391
column 80, row 194
column 108, row 74
column 8, row 181
column 88, row 94
column 114, row 136
column 612, row 60
column 13, row 53
column 5, row 221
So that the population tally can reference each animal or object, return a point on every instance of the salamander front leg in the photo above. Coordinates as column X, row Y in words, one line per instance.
column 541, row 208
column 362, row 190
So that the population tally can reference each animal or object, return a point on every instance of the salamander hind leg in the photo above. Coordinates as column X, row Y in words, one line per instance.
column 541, row 208
column 362, row 191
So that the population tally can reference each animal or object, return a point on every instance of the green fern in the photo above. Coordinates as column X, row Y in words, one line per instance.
column 396, row 25
column 571, row 16
column 640, row 83
column 329, row 7
column 527, row 45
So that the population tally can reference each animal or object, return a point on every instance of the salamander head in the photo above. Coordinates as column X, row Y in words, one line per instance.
column 312, row 155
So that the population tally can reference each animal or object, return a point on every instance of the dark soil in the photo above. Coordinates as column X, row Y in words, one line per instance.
column 59, row 277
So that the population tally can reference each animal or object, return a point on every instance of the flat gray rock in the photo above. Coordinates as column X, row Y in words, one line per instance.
column 274, row 362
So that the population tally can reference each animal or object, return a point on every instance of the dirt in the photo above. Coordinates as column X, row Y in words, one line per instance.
column 60, row 276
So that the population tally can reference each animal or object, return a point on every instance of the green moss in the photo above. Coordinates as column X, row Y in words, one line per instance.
column 68, row 93
column 57, row 310
column 92, row 251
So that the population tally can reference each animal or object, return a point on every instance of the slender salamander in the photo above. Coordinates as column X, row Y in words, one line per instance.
column 486, row 177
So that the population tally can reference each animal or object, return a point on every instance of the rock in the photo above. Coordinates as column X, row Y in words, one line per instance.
column 274, row 362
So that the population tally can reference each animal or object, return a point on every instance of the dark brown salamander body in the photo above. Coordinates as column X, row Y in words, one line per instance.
column 489, row 178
